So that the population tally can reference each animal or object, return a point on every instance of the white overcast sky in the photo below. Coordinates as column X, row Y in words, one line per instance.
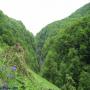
column 35, row 14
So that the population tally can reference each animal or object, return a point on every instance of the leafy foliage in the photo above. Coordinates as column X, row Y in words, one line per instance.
column 15, row 74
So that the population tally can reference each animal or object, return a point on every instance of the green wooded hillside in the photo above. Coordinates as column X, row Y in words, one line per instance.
column 13, row 32
column 53, row 28
column 63, row 51
column 66, row 56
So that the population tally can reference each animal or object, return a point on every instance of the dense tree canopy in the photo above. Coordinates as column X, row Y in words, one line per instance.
column 70, row 55
column 53, row 28
column 65, row 52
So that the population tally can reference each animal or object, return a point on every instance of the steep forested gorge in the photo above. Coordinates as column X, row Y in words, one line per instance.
column 60, row 53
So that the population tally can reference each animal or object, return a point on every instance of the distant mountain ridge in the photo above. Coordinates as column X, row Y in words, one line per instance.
column 83, row 11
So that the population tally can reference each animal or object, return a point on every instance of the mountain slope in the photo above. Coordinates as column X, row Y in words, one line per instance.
column 13, row 32
column 66, row 57
column 14, row 72
column 63, row 51
column 83, row 11
column 53, row 28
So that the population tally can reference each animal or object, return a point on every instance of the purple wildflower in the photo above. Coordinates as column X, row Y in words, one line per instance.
column 14, row 68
